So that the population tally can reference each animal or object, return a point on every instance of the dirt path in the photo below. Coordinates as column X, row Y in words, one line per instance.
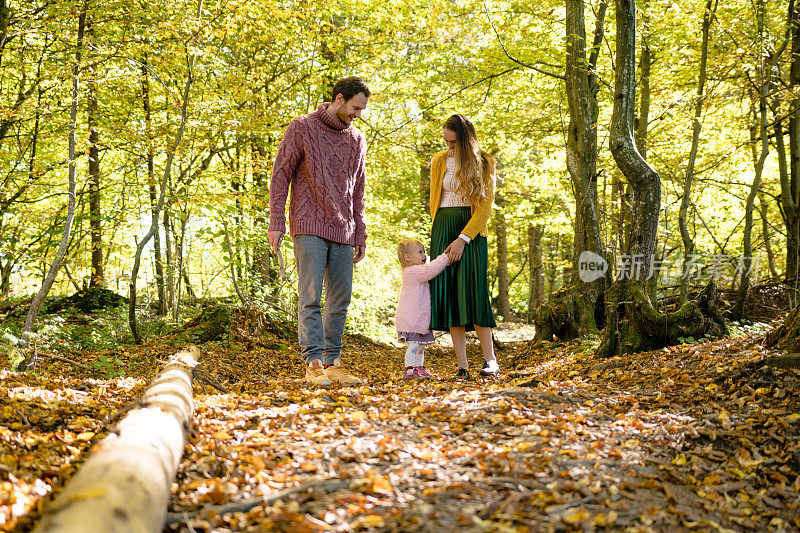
column 698, row 437
column 662, row 441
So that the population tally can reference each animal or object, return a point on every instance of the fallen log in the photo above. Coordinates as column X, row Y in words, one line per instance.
column 124, row 486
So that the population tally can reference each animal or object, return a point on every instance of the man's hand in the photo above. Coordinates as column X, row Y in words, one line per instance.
column 455, row 250
column 275, row 238
column 361, row 251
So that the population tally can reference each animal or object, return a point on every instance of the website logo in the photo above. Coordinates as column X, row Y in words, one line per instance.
column 591, row 266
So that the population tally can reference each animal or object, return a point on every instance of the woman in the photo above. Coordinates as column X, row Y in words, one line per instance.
column 462, row 193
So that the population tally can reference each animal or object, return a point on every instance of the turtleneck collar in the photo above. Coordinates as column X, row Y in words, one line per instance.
column 331, row 122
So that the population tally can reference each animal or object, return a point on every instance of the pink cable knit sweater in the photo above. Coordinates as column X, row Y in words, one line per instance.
column 322, row 160
column 414, row 303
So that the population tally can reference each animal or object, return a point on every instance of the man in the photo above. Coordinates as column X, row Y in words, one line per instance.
column 321, row 159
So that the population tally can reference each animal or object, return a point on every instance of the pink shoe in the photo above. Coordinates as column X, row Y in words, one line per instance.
column 414, row 373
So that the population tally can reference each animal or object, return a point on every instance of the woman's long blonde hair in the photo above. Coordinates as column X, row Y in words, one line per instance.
column 472, row 160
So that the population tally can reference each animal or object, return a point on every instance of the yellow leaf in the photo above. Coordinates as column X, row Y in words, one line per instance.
column 680, row 460
column 85, row 436
column 632, row 444
column 738, row 473
column 358, row 416
column 381, row 485
column 525, row 446
column 374, row 520
column 575, row 516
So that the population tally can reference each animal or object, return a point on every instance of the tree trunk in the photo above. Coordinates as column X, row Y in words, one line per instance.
column 180, row 267
column 641, row 122
column 536, row 287
column 97, row 278
column 169, row 260
column 503, row 301
column 261, row 252
column 758, row 133
column 645, row 61
column 124, row 486
column 575, row 311
column 787, row 335
column 632, row 322
column 686, row 237
column 790, row 182
column 766, row 235
column 38, row 300
column 151, row 182
column 191, row 296
column 154, row 220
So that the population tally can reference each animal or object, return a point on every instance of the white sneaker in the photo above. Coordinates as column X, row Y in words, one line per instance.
column 490, row 368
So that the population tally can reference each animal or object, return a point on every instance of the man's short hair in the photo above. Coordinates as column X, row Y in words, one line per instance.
column 348, row 87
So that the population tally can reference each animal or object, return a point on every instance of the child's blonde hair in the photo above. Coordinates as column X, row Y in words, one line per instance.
column 404, row 247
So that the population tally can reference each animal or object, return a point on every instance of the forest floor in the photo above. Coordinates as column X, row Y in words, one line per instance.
column 699, row 437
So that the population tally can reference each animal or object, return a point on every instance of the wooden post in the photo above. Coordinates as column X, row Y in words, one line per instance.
column 124, row 486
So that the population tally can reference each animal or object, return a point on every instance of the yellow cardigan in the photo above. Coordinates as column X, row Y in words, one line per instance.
column 480, row 214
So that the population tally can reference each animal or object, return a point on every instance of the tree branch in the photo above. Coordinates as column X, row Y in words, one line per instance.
column 509, row 56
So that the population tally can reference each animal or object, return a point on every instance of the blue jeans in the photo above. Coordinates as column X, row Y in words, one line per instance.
column 321, row 262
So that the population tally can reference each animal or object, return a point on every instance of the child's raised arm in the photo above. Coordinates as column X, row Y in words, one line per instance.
column 428, row 271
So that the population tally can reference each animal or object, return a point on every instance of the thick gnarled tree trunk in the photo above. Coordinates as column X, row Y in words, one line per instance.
column 577, row 309
column 632, row 322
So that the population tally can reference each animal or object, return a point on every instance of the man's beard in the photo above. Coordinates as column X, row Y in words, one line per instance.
column 344, row 118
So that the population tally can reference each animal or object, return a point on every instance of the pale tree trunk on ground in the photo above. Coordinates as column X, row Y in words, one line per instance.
column 686, row 237
column 124, row 485
column 536, row 286
column 62, row 247
column 574, row 311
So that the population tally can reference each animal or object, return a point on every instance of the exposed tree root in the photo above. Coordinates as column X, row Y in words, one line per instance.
column 634, row 325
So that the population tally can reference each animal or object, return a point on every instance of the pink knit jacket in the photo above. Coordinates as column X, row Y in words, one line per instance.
column 414, row 303
column 322, row 160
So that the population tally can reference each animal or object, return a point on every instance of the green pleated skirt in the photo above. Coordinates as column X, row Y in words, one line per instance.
column 460, row 295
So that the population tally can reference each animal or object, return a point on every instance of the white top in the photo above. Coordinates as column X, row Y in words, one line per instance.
column 449, row 183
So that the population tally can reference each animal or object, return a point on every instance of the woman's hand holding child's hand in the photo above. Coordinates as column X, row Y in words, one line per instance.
column 455, row 250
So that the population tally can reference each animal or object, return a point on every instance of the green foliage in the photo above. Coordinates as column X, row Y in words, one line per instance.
column 110, row 367
column 257, row 65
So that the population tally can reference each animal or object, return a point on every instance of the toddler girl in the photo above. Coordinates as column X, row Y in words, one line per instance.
column 413, row 318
